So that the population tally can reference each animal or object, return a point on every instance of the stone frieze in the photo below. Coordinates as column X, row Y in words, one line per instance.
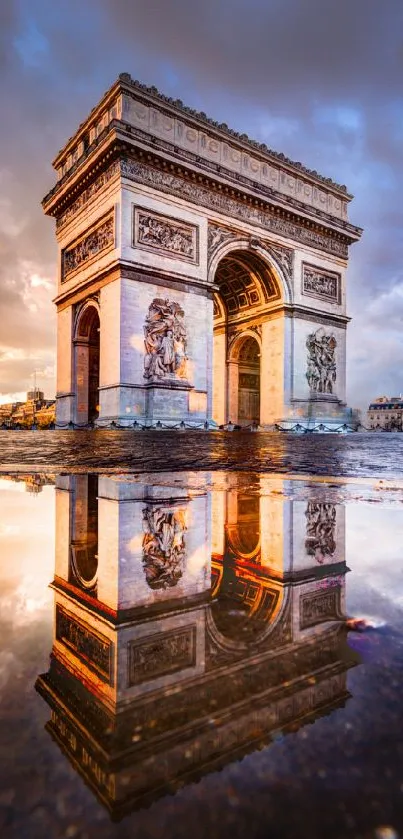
column 87, row 194
column 202, row 195
column 320, row 606
column 93, row 649
column 325, row 285
column 169, row 237
column 161, row 654
column 90, row 245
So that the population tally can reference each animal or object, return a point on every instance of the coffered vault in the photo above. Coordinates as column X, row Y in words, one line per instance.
column 214, row 269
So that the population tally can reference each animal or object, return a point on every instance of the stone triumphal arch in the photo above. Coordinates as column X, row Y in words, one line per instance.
column 201, row 275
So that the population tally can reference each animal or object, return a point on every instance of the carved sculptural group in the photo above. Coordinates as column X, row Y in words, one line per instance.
column 321, row 367
column 161, row 233
column 163, row 546
column 165, row 341
column 320, row 529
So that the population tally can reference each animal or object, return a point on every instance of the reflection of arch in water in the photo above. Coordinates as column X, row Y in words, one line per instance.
column 84, row 534
column 242, row 530
column 246, row 605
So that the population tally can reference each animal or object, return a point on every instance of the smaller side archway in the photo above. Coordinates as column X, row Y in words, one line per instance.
column 244, row 380
column 86, row 345
column 250, row 295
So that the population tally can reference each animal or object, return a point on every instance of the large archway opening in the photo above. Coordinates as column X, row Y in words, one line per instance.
column 86, row 365
column 246, row 289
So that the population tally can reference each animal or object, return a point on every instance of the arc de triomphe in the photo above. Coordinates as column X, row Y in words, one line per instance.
column 201, row 275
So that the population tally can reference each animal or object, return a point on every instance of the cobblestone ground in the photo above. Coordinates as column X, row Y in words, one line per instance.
column 353, row 455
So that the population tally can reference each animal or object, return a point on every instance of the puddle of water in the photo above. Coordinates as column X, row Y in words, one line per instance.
column 219, row 653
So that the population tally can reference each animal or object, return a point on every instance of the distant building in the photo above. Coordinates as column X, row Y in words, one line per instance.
column 7, row 410
column 386, row 413
column 35, row 395
column 39, row 412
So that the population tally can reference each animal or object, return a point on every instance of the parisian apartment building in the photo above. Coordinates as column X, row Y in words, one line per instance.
column 386, row 413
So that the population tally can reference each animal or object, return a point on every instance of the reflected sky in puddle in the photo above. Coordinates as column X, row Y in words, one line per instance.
column 196, row 628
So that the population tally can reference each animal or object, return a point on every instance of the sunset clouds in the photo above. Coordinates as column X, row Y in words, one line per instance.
column 320, row 80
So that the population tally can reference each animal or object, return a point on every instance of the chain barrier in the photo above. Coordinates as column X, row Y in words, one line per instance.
column 297, row 428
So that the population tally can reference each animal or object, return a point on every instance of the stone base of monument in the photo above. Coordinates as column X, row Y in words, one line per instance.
column 158, row 404
column 322, row 412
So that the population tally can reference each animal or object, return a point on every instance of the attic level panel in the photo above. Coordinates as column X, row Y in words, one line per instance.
column 228, row 154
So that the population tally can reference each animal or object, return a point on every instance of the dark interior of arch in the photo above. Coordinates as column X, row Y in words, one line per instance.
column 249, row 351
column 234, row 608
column 88, row 325
column 244, row 282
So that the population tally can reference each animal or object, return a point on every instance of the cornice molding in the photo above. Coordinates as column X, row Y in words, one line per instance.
column 111, row 143
column 175, row 107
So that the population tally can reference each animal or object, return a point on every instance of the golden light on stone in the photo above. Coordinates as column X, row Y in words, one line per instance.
column 183, row 262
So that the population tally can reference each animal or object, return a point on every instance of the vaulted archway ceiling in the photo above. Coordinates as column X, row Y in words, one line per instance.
column 244, row 282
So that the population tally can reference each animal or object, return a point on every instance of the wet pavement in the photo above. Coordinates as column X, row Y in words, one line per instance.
column 215, row 652
column 374, row 455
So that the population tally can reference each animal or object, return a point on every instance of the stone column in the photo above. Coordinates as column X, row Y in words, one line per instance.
column 219, row 378
column 232, row 391
column 65, row 392
column 81, row 367
column 272, row 370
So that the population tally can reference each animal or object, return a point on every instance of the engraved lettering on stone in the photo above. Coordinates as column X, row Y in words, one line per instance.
column 161, row 654
column 165, row 340
column 321, row 367
column 320, row 530
column 156, row 232
column 322, row 284
column 175, row 185
column 164, row 548
column 91, row 245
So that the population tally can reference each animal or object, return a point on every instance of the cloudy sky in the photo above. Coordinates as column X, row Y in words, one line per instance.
column 320, row 80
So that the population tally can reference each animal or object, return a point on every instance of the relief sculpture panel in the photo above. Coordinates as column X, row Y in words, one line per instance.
column 91, row 245
column 324, row 285
column 169, row 237
column 92, row 648
column 161, row 654
column 319, row 607
column 164, row 548
column 321, row 367
column 165, row 340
